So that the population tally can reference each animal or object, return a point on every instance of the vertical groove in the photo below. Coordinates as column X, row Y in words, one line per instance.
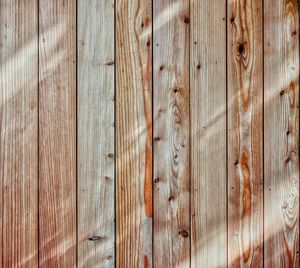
column 263, row 126
column 298, row 119
column 190, row 133
column 76, row 131
column 38, row 129
column 226, row 123
column 152, row 126
column 115, row 144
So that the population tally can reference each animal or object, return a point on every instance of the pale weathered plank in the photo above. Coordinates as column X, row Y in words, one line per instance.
column 95, row 133
column 57, row 133
column 208, row 133
column 281, row 133
column 171, row 133
column 18, row 133
column 133, row 133
column 245, row 135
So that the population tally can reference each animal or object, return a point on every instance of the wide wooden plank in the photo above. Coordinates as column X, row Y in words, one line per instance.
column 171, row 133
column 245, row 133
column 133, row 133
column 95, row 133
column 57, row 133
column 208, row 134
column 18, row 133
column 281, row 133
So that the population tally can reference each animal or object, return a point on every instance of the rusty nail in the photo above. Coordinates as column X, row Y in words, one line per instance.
column 110, row 63
column 94, row 238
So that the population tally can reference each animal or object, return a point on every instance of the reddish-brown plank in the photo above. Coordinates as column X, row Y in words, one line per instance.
column 18, row 133
column 281, row 133
column 245, row 135
column 57, row 133
column 171, row 133
column 133, row 133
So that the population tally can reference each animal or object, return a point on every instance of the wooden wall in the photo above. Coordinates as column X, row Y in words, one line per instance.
column 149, row 133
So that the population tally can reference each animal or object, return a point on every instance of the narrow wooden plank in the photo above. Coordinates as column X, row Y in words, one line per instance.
column 95, row 133
column 18, row 133
column 245, row 134
column 208, row 133
column 57, row 133
column 281, row 133
column 133, row 133
column 171, row 133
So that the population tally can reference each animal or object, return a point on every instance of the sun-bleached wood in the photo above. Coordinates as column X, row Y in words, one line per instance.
column 133, row 133
column 171, row 133
column 208, row 134
column 18, row 133
column 281, row 133
column 245, row 135
column 57, row 133
column 95, row 133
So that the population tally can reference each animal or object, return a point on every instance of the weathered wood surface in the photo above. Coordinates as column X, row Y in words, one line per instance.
column 57, row 133
column 18, row 133
column 95, row 133
column 245, row 133
column 281, row 133
column 222, row 105
column 133, row 133
column 208, row 134
column 171, row 133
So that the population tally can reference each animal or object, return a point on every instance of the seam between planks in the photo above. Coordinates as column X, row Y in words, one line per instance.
column 152, row 125
column 190, row 133
column 38, row 130
column 226, row 124
column 263, row 130
column 76, row 131
column 298, row 120
column 115, row 140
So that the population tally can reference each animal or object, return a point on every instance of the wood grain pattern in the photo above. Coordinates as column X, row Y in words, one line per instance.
column 18, row 133
column 281, row 133
column 57, row 133
column 171, row 133
column 208, row 133
column 95, row 133
column 133, row 133
column 245, row 135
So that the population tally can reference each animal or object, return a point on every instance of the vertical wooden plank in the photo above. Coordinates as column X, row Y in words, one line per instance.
column 171, row 133
column 95, row 133
column 281, row 133
column 57, row 133
column 133, row 133
column 208, row 133
column 245, row 134
column 18, row 133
